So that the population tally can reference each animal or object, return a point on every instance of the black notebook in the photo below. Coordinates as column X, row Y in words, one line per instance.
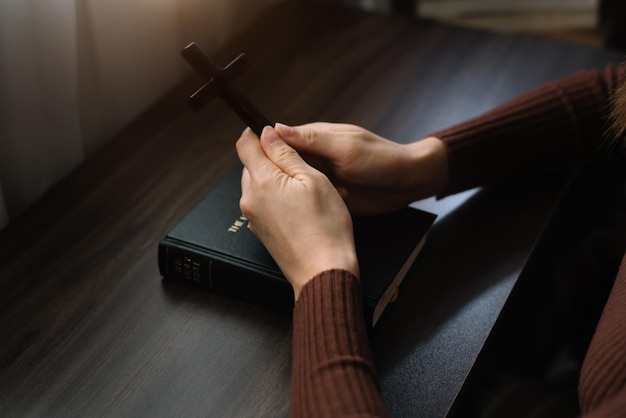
column 213, row 248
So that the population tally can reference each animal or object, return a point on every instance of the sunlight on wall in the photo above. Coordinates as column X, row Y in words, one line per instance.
column 136, row 52
column 74, row 72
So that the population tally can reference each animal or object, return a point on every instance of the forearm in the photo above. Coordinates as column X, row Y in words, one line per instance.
column 553, row 126
column 333, row 373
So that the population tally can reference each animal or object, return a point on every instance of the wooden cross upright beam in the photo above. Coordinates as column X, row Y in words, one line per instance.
column 219, row 82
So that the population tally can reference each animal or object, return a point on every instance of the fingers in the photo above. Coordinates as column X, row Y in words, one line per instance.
column 249, row 149
column 310, row 138
column 281, row 154
column 244, row 201
column 256, row 153
column 330, row 141
column 254, row 161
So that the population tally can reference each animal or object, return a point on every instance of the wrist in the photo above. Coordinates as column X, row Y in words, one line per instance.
column 346, row 261
column 428, row 172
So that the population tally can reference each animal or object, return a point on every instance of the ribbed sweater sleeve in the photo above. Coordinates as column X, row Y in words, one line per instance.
column 333, row 374
column 556, row 125
column 602, row 388
column 552, row 126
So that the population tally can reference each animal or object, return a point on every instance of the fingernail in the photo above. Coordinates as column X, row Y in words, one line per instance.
column 269, row 134
column 285, row 129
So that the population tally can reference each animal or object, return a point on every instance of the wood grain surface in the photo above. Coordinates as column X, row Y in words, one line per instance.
column 90, row 329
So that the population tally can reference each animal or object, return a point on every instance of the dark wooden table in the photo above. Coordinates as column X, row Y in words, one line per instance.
column 88, row 326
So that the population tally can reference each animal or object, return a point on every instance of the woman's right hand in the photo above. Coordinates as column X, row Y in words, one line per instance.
column 294, row 210
column 372, row 174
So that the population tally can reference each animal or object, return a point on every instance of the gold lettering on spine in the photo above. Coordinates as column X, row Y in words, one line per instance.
column 236, row 226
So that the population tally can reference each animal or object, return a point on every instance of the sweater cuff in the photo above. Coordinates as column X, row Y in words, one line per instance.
column 332, row 302
column 333, row 373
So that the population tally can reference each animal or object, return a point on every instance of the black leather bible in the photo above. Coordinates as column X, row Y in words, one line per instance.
column 212, row 247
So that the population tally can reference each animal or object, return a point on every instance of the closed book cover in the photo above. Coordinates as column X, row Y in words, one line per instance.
column 212, row 247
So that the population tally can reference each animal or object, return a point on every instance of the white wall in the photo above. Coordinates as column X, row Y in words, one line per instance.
column 74, row 72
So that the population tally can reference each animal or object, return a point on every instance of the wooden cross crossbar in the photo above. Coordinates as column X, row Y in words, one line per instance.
column 219, row 82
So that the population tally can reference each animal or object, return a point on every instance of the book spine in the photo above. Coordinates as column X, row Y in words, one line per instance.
column 189, row 266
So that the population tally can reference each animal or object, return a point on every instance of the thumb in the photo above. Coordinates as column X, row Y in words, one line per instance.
column 305, row 138
column 281, row 154
column 321, row 144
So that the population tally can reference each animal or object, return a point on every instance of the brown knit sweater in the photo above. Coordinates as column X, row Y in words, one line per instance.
column 558, row 124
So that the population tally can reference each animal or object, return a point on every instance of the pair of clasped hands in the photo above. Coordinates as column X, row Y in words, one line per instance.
column 301, row 184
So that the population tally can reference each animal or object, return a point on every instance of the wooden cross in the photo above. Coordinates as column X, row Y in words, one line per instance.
column 219, row 82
